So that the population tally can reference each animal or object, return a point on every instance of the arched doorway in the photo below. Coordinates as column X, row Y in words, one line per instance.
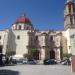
column 52, row 54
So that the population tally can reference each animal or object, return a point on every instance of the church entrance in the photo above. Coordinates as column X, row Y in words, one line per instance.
column 52, row 54
column 1, row 47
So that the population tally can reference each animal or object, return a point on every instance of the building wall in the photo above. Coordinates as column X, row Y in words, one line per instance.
column 3, row 40
column 2, row 35
column 69, row 33
column 64, row 42
column 18, row 41
column 73, row 45
column 48, row 41
column 58, row 45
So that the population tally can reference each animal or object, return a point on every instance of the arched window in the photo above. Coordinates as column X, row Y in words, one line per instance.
column 18, row 37
column 1, row 47
column 69, row 6
column 36, row 38
column 19, row 27
column 0, row 37
column 51, row 38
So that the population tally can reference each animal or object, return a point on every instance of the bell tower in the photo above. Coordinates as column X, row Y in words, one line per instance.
column 69, row 14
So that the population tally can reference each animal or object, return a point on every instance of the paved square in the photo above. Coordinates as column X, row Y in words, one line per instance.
column 36, row 70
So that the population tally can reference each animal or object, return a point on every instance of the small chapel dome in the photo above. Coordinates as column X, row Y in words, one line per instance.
column 22, row 23
column 23, row 19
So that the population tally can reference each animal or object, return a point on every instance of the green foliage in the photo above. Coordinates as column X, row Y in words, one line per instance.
column 28, row 56
column 25, row 55
column 10, row 53
column 32, row 53
column 34, row 50
column 35, row 53
column 67, row 55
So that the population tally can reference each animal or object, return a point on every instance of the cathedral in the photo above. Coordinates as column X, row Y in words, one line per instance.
column 22, row 38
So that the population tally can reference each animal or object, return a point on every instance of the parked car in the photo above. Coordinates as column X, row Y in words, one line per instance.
column 2, row 61
column 24, row 61
column 66, row 62
column 14, row 61
column 49, row 62
column 58, row 61
column 32, row 61
column 19, row 61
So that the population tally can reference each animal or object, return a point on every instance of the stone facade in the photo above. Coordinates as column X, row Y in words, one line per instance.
column 22, row 38
column 22, row 41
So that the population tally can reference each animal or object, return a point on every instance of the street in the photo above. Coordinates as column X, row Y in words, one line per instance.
column 36, row 70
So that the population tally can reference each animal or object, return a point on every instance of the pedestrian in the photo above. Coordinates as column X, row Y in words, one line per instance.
column 7, row 61
column 1, row 62
column 10, row 60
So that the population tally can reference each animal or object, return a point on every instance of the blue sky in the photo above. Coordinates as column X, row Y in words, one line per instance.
column 44, row 14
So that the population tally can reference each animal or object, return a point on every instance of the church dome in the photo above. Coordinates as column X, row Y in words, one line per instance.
column 23, row 19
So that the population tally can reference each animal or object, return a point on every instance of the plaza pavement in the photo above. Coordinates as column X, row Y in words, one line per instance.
column 36, row 70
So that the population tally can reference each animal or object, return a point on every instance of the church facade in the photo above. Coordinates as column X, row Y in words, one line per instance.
column 22, row 38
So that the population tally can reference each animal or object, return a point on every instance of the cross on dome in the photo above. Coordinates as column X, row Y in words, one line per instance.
column 24, row 14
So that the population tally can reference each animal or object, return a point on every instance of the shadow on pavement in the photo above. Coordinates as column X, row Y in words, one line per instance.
column 8, row 72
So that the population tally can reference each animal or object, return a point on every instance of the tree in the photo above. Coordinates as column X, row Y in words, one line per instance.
column 25, row 55
column 28, row 56
column 10, row 53
column 68, row 55
column 35, row 53
column 34, row 50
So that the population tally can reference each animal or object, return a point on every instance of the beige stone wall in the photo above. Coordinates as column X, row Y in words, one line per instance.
column 3, row 40
column 18, row 45
column 2, row 35
column 28, row 39
column 64, row 42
